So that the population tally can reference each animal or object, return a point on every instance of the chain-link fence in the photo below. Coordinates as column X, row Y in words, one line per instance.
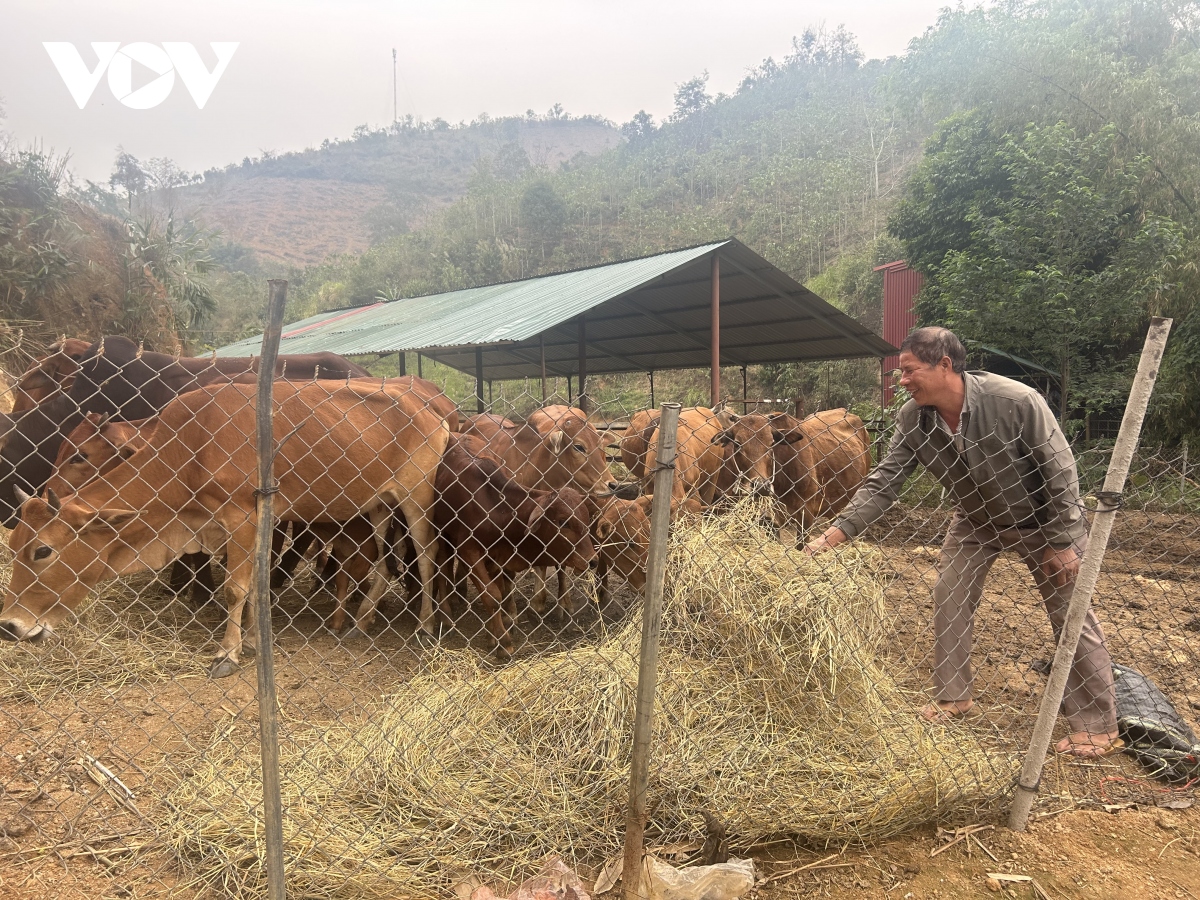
column 456, row 620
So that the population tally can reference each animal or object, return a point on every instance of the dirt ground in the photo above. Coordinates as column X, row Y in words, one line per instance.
column 84, row 763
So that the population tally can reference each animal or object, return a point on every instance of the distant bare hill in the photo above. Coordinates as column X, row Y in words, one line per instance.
column 299, row 208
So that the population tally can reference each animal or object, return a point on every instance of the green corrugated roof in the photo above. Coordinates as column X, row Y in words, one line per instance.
column 639, row 315
column 510, row 312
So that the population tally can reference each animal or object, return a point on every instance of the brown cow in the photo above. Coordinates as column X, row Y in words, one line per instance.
column 497, row 528
column 697, row 455
column 812, row 466
column 621, row 529
column 633, row 443
column 346, row 449
column 95, row 447
column 47, row 374
column 557, row 447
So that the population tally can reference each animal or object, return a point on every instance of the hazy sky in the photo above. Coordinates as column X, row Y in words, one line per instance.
column 306, row 70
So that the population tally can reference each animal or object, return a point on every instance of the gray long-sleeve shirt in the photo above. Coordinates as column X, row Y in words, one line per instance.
column 1009, row 465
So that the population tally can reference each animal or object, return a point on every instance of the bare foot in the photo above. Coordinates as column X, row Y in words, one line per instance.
column 1089, row 746
column 945, row 710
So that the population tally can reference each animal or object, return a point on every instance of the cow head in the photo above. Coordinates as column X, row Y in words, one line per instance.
column 750, row 450
column 622, row 532
column 577, row 458
column 60, row 552
column 560, row 522
column 29, row 443
column 93, row 448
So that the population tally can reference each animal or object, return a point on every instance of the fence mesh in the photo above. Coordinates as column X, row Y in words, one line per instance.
column 797, row 694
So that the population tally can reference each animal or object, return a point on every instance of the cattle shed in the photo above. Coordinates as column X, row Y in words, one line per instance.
column 714, row 305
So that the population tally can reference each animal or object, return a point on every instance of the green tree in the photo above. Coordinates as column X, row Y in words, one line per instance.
column 1039, row 245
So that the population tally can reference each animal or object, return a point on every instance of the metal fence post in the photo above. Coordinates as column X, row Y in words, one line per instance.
column 1109, row 501
column 268, row 712
column 656, row 564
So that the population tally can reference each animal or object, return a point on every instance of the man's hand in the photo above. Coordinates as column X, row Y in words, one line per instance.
column 1060, row 566
column 830, row 539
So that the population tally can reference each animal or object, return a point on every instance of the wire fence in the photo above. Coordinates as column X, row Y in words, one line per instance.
column 456, row 617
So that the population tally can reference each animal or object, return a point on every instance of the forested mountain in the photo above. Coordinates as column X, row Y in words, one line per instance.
column 296, row 209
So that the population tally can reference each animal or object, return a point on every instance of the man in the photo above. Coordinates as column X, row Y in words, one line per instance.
column 998, row 451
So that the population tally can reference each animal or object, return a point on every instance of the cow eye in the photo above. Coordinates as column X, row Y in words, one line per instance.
column 77, row 460
column 579, row 448
column 42, row 552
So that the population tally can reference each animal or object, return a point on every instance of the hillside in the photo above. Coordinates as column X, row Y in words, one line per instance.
column 297, row 209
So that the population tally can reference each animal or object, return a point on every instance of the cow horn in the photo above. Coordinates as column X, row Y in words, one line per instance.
column 53, row 501
column 141, row 349
column 100, row 349
column 557, row 439
column 21, row 495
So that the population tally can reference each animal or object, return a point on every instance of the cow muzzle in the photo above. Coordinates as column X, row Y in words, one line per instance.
column 13, row 630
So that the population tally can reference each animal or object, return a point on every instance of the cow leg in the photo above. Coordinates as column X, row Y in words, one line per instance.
column 602, row 592
column 541, row 599
column 285, row 569
column 566, row 604
column 416, row 508
column 380, row 519
column 490, row 588
column 192, row 569
column 240, row 553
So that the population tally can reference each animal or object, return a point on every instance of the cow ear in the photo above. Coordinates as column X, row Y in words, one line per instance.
column 604, row 528
column 112, row 518
column 787, row 437
column 538, row 511
column 646, row 503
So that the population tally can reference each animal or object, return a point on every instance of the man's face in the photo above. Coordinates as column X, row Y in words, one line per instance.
column 925, row 383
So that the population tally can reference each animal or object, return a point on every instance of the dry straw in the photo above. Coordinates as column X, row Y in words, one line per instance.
column 773, row 715
column 125, row 634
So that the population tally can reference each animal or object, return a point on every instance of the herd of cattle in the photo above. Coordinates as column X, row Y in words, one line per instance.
column 116, row 460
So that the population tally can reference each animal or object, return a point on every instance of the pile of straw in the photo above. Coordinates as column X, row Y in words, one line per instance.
column 772, row 714
column 117, row 639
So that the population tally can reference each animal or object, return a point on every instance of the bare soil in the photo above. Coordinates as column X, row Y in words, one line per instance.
column 68, row 830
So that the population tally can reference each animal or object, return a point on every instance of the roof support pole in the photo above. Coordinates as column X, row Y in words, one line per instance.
column 542, row 355
column 479, row 379
column 652, row 403
column 745, row 393
column 402, row 362
column 715, row 372
column 570, row 395
column 583, row 398
column 419, row 373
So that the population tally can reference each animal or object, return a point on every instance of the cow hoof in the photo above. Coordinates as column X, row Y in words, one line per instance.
column 425, row 639
column 222, row 668
column 502, row 653
column 354, row 634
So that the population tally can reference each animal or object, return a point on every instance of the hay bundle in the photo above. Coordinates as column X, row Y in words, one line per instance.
column 772, row 714
column 121, row 635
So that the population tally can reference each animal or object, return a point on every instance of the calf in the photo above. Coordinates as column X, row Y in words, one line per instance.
column 621, row 529
column 50, row 373
column 498, row 528
column 344, row 449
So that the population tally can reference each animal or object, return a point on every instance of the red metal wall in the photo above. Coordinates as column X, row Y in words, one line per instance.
column 900, row 286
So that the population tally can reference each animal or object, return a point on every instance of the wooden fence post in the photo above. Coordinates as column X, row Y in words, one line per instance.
column 643, row 723
column 1109, row 501
column 268, row 707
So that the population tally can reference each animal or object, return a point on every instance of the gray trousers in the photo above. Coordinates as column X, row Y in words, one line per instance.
column 968, row 552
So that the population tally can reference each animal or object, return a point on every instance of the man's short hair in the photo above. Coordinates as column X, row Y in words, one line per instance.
column 930, row 344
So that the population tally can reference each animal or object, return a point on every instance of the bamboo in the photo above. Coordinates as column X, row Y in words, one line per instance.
column 1109, row 501
column 643, row 724
column 268, row 707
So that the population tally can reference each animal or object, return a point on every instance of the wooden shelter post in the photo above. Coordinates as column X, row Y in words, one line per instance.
column 419, row 373
column 745, row 393
column 715, row 372
column 542, row 355
column 402, row 363
column 570, row 395
column 652, row 404
column 583, row 398
column 479, row 379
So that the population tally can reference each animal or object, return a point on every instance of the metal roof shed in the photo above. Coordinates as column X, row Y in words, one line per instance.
column 718, row 304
